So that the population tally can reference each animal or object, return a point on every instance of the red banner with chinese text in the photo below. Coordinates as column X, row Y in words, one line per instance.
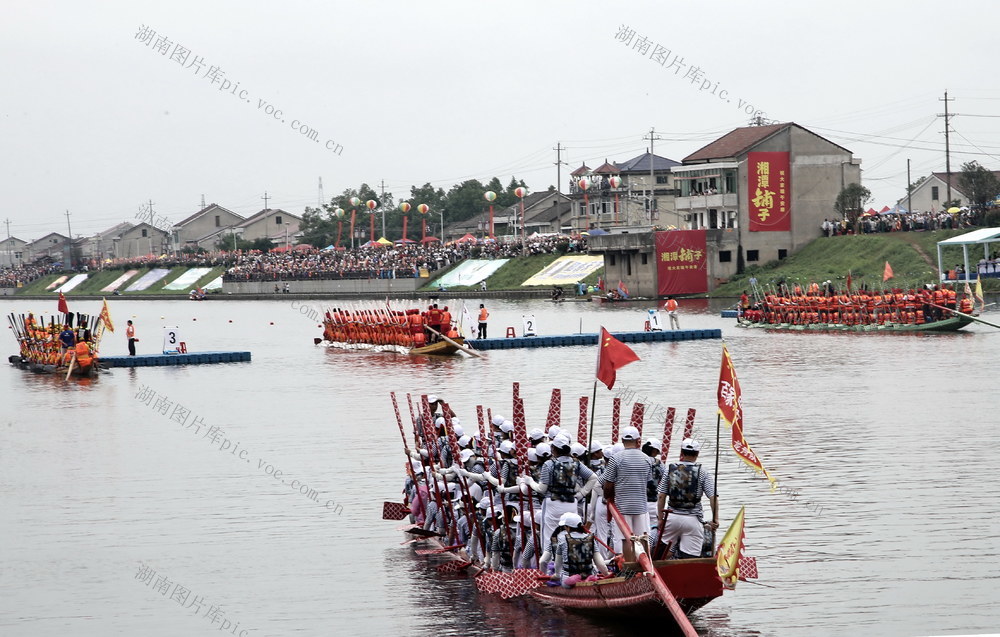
column 769, row 182
column 681, row 264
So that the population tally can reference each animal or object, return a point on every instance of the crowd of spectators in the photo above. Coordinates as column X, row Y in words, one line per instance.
column 388, row 262
column 902, row 222
column 304, row 262
column 23, row 274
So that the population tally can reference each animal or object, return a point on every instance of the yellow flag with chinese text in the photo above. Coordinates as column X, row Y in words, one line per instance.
column 727, row 558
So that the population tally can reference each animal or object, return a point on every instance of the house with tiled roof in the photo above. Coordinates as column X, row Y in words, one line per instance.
column 273, row 223
column 763, row 191
column 12, row 251
column 636, row 192
column 54, row 246
column 207, row 222
column 931, row 195
column 757, row 194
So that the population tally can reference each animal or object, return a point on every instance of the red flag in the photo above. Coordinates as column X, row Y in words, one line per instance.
column 887, row 274
column 612, row 354
column 62, row 304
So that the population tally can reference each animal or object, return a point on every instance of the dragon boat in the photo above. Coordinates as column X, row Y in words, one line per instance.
column 383, row 329
column 42, row 352
column 951, row 324
column 639, row 586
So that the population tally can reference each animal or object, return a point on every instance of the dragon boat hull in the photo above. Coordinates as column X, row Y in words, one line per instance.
column 952, row 324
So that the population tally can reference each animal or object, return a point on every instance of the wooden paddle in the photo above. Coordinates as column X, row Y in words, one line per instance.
column 467, row 350
column 658, row 584
column 974, row 318
column 71, row 363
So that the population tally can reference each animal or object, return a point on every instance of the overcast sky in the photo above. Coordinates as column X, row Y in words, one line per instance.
column 94, row 121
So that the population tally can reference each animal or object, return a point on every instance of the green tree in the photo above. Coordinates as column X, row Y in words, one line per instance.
column 914, row 185
column 464, row 200
column 851, row 201
column 979, row 184
column 318, row 228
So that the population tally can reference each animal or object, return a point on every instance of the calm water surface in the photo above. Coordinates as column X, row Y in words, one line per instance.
column 890, row 440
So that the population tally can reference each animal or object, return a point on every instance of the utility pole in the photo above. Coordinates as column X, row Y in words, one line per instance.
column 265, row 198
column 69, row 243
column 10, row 246
column 203, row 202
column 151, row 213
column 320, row 193
column 947, row 145
column 909, row 188
column 382, row 202
column 559, row 164
column 652, row 179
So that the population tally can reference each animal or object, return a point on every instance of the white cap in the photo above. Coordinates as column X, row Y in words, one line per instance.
column 576, row 449
column 515, row 518
column 532, row 455
column 484, row 503
column 466, row 454
column 416, row 464
column 506, row 426
column 615, row 448
column 596, row 446
column 455, row 421
column 690, row 444
column 554, row 431
column 457, row 428
column 630, row 433
column 543, row 450
column 506, row 447
column 561, row 442
column 464, row 440
column 439, row 421
column 570, row 519
column 497, row 420
column 654, row 443
column 432, row 398
column 536, row 434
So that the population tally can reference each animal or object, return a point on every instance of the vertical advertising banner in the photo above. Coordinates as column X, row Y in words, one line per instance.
column 770, row 186
column 681, row 266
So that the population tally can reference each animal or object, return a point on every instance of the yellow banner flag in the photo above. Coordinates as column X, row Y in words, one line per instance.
column 979, row 294
column 727, row 558
column 105, row 317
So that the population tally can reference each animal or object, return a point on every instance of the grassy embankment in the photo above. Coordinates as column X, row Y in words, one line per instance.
column 911, row 255
column 97, row 280
column 512, row 274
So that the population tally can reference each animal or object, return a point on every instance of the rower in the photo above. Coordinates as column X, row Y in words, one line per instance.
column 576, row 557
column 652, row 449
column 558, row 484
column 682, row 487
column 598, row 508
column 502, row 553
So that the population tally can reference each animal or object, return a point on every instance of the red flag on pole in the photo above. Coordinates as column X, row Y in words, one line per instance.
column 62, row 304
column 887, row 274
column 612, row 354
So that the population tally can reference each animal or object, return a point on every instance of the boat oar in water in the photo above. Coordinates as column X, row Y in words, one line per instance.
column 658, row 584
column 394, row 510
column 969, row 316
column 464, row 348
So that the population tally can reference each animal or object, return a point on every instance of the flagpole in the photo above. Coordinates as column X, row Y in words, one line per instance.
column 715, row 488
column 590, row 441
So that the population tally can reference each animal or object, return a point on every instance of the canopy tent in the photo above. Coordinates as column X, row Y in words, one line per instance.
column 429, row 239
column 384, row 241
column 984, row 236
column 406, row 241
column 884, row 210
column 468, row 238
column 373, row 244
column 595, row 232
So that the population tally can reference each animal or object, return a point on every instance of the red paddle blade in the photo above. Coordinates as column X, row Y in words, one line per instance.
column 748, row 568
column 443, row 549
column 394, row 510
column 508, row 585
column 456, row 566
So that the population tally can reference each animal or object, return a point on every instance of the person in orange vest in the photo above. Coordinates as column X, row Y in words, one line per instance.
column 483, row 316
column 83, row 359
column 671, row 308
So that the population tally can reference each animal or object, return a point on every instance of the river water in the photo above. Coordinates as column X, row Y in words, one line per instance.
column 121, row 516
